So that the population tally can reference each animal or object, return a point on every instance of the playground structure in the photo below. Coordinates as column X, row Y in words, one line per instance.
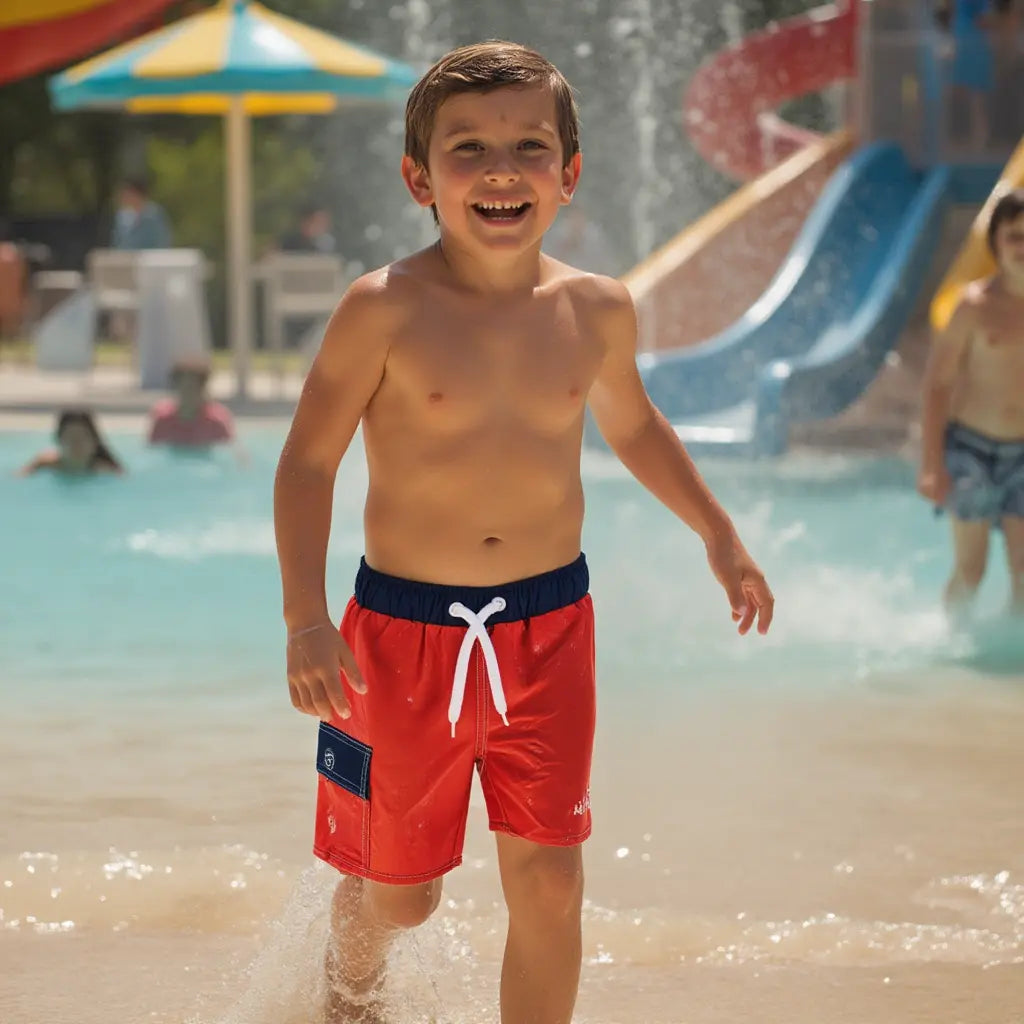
column 817, row 263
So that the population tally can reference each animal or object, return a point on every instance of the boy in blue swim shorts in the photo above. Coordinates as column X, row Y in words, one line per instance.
column 972, row 459
column 468, row 643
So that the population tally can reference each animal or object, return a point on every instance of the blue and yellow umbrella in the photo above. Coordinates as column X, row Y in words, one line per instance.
column 239, row 60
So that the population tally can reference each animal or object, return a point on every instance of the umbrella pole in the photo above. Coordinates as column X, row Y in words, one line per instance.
column 238, row 196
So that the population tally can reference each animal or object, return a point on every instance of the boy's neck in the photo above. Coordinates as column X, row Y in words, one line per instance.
column 1013, row 286
column 496, row 272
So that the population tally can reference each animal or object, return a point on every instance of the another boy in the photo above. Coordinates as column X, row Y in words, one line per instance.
column 469, row 642
column 973, row 426
column 190, row 419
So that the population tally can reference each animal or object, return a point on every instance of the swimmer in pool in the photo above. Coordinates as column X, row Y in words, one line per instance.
column 972, row 460
column 80, row 449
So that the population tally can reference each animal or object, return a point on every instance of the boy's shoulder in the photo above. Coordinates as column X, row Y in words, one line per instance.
column 974, row 299
column 595, row 291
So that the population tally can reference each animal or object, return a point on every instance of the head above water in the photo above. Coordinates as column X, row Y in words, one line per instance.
column 79, row 439
column 481, row 68
column 1006, row 228
column 189, row 378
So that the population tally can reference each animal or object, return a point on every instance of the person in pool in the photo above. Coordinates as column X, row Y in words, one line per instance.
column 468, row 645
column 80, row 448
column 191, row 419
column 972, row 460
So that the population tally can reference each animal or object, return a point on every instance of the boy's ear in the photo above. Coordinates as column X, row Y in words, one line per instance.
column 417, row 181
column 571, row 177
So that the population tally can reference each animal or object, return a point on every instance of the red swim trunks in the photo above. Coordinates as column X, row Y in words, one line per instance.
column 500, row 679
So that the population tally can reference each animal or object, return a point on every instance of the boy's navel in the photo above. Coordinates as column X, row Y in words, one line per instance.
column 435, row 396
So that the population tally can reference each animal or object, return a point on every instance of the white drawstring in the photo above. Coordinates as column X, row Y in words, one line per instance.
column 475, row 631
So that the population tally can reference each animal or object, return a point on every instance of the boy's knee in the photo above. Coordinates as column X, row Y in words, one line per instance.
column 403, row 906
column 550, row 884
column 971, row 572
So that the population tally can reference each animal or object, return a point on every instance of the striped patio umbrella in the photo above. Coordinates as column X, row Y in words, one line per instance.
column 239, row 60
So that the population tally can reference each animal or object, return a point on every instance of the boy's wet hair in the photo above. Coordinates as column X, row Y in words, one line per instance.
column 482, row 67
column 198, row 368
column 1008, row 209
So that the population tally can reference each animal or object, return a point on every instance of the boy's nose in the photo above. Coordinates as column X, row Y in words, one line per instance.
column 502, row 171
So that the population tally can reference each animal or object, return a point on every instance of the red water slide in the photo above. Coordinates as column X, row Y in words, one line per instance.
column 729, row 106
column 36, row 35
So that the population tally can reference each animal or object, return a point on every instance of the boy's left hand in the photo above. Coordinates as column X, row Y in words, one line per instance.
column 744, row 584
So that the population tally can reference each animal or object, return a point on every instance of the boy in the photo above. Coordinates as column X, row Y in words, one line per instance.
column 469, row 641
column 191, row 419
column 973, row 419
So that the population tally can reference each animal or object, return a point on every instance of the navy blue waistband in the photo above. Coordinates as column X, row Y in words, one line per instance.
column 429, row 602
column 982, row 443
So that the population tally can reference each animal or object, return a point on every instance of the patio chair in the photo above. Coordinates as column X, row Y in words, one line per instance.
column 298, row 287
column 113, row 281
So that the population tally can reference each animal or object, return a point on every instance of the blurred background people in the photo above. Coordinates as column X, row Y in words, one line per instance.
column 140, row 223
column 312, row 233
column 190, row 419
column 80, row 448
column 973, row 64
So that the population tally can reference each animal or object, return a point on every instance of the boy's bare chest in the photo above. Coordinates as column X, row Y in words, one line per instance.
column 999, row 335
column 529, row 361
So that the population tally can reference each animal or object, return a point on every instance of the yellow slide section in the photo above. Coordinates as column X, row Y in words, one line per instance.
column 975, row 260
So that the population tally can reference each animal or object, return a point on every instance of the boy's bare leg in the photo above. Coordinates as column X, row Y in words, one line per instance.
column 543, row 888
column 970, row 552
column 366, row 917
column 1013, row 532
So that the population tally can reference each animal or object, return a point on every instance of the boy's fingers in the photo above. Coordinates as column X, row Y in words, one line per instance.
column 330, row 699
column 737, row 601
column 351, row 670
column 746, row 620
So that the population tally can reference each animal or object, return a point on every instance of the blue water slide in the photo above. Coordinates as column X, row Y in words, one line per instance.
column 819, row 334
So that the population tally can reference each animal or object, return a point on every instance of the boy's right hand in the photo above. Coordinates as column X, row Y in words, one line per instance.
column 934, row 484
column 317, row 659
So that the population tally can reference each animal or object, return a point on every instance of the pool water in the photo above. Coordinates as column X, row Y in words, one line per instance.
column 165, row 581
column 820, row 824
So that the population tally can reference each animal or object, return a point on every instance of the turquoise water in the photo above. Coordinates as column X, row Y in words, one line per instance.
column 164, row 583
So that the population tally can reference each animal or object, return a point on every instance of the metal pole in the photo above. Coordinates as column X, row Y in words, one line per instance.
column 238, row 195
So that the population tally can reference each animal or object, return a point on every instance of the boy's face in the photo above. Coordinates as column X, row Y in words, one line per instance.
column 1009, row 245
column 191, row 388
column 495, row 169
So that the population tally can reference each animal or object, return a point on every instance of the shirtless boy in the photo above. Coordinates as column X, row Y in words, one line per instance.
column 469, row 643
column 973, row 425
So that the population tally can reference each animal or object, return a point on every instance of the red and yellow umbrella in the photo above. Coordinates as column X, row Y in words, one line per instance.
column 39, row 34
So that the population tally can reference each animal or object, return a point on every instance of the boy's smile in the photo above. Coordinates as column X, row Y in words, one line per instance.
column 495, row 170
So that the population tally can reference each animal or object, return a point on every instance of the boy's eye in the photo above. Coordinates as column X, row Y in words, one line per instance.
column 532, row 144
column 468, row 147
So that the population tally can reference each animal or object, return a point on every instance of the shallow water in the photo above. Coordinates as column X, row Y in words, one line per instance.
column 821, row 824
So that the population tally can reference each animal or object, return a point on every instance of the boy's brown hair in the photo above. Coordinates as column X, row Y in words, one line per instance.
column 482, row 67
column 1008, row 209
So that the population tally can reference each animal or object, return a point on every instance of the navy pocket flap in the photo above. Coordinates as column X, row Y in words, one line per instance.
column 343, row 760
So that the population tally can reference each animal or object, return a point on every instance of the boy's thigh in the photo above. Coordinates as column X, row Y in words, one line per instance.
column 535, row 772
column 404, row 821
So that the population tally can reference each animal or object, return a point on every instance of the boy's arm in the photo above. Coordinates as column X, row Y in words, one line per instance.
column 342, row 380
column 944, row 360
column 651, row 450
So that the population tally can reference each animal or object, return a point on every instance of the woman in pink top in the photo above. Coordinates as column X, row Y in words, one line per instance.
column 190, row 419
